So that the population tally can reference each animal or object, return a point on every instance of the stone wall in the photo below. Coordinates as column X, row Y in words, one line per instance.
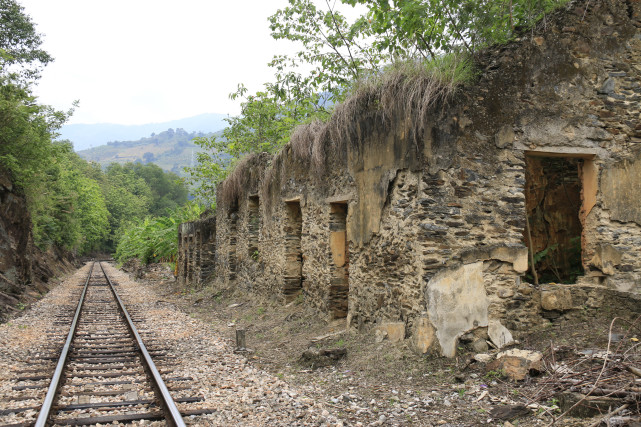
column 196, row 258
column 419, row 217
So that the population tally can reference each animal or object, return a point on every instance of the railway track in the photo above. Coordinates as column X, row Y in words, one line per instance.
column 104, row 371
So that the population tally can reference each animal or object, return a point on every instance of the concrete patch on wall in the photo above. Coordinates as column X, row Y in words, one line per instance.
column 517, row 255
column 606, row 258
column 621, row 191
column 457, row 302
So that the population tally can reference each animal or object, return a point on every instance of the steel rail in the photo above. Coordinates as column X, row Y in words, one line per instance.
column 171, row 410
column 45, row 410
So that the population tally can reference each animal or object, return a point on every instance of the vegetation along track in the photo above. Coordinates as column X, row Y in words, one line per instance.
column 105, row 372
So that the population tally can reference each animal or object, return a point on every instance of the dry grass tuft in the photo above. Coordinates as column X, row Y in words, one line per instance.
column 307, row 142
column 270, row 186
column 408, row 90
column 234, row 185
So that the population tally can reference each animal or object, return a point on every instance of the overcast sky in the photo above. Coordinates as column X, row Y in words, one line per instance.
column 146, row 61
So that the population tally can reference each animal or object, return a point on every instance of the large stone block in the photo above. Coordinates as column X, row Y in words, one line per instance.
column 517, row 364
column 556, row 298
column 621, row 191
column 605, row 258
column 499, row 334
column 515, row 254
column 394, row 331
column 423, row 335
column 457, row 302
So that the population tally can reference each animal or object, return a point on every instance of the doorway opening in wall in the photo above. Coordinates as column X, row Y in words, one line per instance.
column 197, row 261
column 554, row 227
column 186, row 249
column 253, row 226
column 189, row 260
column 233, row 240
column 293, row 229
column 339, row 248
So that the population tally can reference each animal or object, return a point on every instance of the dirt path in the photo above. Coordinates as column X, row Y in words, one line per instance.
column 382, row 383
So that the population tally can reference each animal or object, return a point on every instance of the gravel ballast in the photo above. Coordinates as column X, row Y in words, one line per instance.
column 238, row 393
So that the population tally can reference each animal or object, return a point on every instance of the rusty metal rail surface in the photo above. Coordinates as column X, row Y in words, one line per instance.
column 172, row 414
column 43, row 415
column 170, row 410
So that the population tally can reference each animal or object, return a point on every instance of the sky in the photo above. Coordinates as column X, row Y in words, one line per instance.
column 149, row 61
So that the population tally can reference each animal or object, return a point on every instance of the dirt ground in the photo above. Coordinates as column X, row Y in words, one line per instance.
column 384, row 383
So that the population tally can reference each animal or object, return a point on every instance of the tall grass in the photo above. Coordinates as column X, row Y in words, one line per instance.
column 155, row 239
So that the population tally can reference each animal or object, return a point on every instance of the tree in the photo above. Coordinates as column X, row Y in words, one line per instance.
column 341, row 55
column 26, row 128
column 428, row 28
column 155, row 239
column 148, row 157
column 21, row 58
column 264, row 125
column 69, row 210
column 168, row 190
column 339, row 52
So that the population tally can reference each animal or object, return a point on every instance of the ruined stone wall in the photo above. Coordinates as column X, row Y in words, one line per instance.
column 196, row 260
column 365, row 241
column 583, row 102
column 420, row 220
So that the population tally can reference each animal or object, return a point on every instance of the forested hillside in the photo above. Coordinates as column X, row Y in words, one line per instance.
column 172, row 150
column 73, row 204
column 85, row 136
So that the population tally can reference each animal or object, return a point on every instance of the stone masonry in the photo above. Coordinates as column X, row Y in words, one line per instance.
column 421, row 222
column 197, row 256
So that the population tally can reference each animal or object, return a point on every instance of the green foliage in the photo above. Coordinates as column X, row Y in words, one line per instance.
column 264, row 125
column 544, row 253
column 133, row 192
column 338, row 51
column 495, row 375
column 425, row 28
column 25, row 134
column 26, row 128
column 21, row 58
column 168, row 191
column 73, row 204
column 71, row 212
column 340, row 57
column 155, row 239
column 559, row 263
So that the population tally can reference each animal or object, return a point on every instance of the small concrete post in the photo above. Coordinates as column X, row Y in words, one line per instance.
column 240, row 340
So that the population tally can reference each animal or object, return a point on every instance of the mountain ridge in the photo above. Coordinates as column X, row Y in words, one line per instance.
column 86, row 136
column 172, row 150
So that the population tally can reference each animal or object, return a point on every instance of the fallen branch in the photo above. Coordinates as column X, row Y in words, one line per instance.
column 633, row 370
column 616, row 411
column 596, row 382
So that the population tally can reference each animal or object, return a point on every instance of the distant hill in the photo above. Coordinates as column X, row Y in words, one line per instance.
column 171, row 149
column 85, row 136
